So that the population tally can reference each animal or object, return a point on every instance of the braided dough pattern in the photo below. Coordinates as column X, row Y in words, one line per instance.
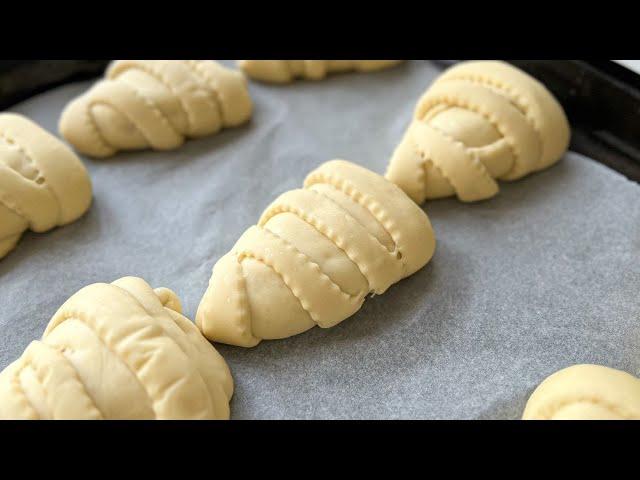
column 155, row 104
column 43, row 184
column 118, row 351
column 285, row 71
column 314, row 256
column 478, row 122
column 586, row 392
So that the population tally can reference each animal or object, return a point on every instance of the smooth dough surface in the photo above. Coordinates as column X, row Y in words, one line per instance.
column 155, row 104
column 118, row 351
column 586, row 392
column 479, row 121
column 285, row 71
column 314, row 256
column 43, row 184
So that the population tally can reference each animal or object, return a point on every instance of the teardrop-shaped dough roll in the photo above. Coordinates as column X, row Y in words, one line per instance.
column 585, row 392
column 285, row 71
column 314, row 256
column 155, row 104
column 43, row 184
column 480, row 121
column 118, row 351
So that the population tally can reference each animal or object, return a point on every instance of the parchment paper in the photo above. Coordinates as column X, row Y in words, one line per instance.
column 545, row 275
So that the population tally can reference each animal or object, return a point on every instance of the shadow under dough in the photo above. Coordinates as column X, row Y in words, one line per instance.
column 387, row 334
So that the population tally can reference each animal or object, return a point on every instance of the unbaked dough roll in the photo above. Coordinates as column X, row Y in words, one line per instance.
column 118, row 351
column 586, row 392
column 480, row 121
column 155, row 104
column 314, row 256
column 285, row 71
column 43, row 184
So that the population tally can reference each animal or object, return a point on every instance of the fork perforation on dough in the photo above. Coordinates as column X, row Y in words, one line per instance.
column 325, row 230
column 282, row 71
column 285, row 279
column 20, row 395
column 311, row 263
column 87, row 322
column 465, row 105
column 169, row 101
column 519, row 99
column 585, row 392
column 42, row 183
column 156, row 111
column 118, row 346
column 102, row 147
column 92, row 412
column 152, row 70
column 213, row 91
column 36, row 176
column 290, row 288
column 617, row 410
column 373, row 207
column 452, row 101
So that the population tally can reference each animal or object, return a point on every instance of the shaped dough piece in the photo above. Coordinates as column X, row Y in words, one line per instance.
column 585, row 392
column 155, row 104
column 314, row 256
column 285, row 71
column 118, row 351
column 43, row 184
column 480, row 121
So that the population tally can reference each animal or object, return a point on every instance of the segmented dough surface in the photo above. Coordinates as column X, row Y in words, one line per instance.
column 43, row 184
column 479, row 122
column 285, row 71
column 586, row 392
column 155, row 104
column 118, row 351
column 314, row 256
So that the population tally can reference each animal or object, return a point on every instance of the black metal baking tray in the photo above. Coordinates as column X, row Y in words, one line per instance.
column 602, row 101
column 523, row 285
column 20, row 79
column 601, row 98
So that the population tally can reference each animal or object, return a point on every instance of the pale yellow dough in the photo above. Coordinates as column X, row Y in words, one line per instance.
column 480, row 121
column 314, row 256
column 155, row 104
column 43, row 184
column 285, row 71
column 586, row 392
column 118, row 351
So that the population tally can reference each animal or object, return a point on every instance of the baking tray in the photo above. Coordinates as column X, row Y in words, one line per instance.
column 601, row 98
column 540, row 277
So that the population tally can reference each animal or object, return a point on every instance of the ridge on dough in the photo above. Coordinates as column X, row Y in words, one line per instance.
column 479, row 122
column 585, row 392
column 314, row 256
column 155, row 104
column 43, row 184
column 285, row 71
column 118, row 351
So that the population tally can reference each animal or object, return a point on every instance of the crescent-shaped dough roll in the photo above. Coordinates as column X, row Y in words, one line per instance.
column 43, row 184
column 155, row 104
column 480, row 121
column 118, row 351
column 314, row 256
column 285, row 71
column 586, row 392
